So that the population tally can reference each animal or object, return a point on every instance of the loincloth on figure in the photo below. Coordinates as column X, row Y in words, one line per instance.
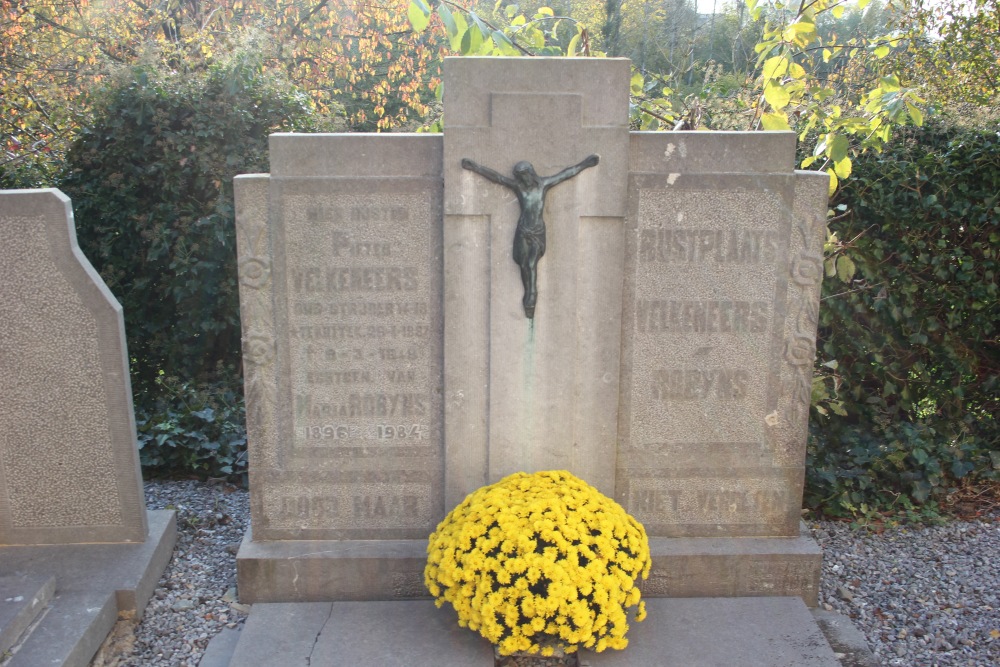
column 528, row 244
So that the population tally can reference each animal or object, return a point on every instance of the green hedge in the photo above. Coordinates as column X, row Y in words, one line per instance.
column 151, row 181
column 909, row 351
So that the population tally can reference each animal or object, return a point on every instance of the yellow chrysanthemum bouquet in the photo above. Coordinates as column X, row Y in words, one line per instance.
column 540, row 561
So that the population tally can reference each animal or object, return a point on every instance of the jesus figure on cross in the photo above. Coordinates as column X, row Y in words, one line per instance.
column 529, row 238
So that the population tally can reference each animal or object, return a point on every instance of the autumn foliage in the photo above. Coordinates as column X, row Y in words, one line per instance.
column 355, row 56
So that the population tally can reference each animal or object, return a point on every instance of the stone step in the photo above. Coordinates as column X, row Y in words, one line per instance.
column 71, row 631
column 96, row 583
column 686, row 632
column 22, row 599
column 219, row 652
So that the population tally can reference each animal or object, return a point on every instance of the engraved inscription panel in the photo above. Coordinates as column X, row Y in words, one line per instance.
column 706, row 282
column 373, row 505
column 706, row 277
column 359, row 294
column 360, row 330
column 708, row 500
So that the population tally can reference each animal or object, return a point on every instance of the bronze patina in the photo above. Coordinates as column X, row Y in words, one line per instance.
column 529, row 238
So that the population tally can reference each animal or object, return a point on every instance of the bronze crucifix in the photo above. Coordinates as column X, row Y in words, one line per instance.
column 529, row 237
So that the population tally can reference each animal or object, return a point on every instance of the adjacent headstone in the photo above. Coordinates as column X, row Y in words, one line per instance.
column 69, row 469
column 76, row 547
column 392, row 365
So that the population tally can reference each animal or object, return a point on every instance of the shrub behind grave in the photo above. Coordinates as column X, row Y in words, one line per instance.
column 911, row 342
column 151, row 183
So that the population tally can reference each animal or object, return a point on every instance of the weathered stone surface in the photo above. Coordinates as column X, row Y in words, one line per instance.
column 686, row 567
column 22, row 598
column 341, row 307
column 718, row 321
column 533, row 394
column 388, row 634
column 750, row 632
column 320, row 570
column 95, row 583
column 760, row 631
column 69, row 469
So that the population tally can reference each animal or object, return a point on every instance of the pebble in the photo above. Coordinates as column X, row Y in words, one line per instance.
column 922, row 596
column 195, row 598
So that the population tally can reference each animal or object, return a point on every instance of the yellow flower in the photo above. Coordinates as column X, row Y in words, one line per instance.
column 542, row 556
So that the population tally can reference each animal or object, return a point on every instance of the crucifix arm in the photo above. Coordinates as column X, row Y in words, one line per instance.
column 570, row 172
column 486, row 172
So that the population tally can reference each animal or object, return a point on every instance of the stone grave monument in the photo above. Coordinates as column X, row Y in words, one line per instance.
column 75, row 536
column 411, row 333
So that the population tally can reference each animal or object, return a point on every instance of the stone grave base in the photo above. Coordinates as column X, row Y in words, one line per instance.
column 59, row 602
column 317, row 571
column 735, row 567
column 689, row 632
column 322, row 570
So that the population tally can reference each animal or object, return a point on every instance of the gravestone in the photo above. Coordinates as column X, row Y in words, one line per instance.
column 76, row 545
column 393, row 366
column 69, row 467
column 340, row 292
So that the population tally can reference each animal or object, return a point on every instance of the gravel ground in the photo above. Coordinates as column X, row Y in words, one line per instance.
column 924, row 597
